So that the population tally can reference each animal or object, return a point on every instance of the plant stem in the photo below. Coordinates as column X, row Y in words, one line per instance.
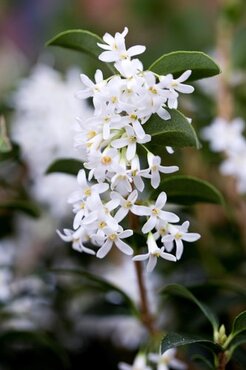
column 146, row 315
column 222, row 361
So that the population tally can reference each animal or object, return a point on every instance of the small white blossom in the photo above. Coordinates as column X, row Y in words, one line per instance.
column 116, row 49
column 155, row 212
column 166, row 360
column 153, row 253
column 114, row 238
column 178, row 233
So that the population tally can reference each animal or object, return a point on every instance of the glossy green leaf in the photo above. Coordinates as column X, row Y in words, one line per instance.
column 180, row 290
column 236, row 342
column 203, row 360
column 172, row 340
column 95, row 282
column 79, row 40
column 176, row 132
column 177, row 62
column 24, row 206
column 239, row 323
column 188, row 190
column 69, row 166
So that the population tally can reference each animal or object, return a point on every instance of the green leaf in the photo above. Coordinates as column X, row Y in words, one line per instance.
column 204, row 360
column 172, row 340
column 236, row 342
column 177, row 131
column 5, row 144
column 177, row 62
column 239, row 324
column 180, row 290
column 188, row 190
column 69, row 166
column 98, row 283
column 24, row 206
column 79, row 40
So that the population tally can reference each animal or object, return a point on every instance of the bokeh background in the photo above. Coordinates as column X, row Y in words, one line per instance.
column 50, row 317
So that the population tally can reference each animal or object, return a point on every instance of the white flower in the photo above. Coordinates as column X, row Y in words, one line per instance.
column 153, row 253
column 139, row 363
column 116, row 49
column 137, row 173
column 102, row 163
column 91, row 88
column 77, row 238
column 166, row 360
column 130, row 140
column 155, row 166
column 114, row 237
column 178, row 233
column 155, row 212
column 87, row 193
column 225, row 136
column 174, row 85
column 125, row 204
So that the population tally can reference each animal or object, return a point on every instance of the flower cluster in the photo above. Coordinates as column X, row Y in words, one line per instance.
column 227, row 138
column 112, row 183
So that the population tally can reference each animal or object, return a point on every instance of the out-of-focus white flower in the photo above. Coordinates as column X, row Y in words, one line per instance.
column 167, row 360
column 45, row 107
column 139, row 363
column 225, row 136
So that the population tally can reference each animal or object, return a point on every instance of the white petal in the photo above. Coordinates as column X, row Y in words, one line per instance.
column 149, row 225
column 163, row 113
column 168, row 256
column 126, row 233
column 185, row 89
column 141, row 257
column 77, row 219
column 155, row 179
column 103, row 251
column 131, row 151
column 121, row 214
column 138, row 182
column 179, row 248
column 119, row 143
column 133, row 196
column 136, row 50
column 138, row 129
column 81, row 178
column 151, row 263
column 168, row 169
column 191, row 237
column 184, row 76
column 123, row 247
column 88, row 250
column 141, row 210
column 108, row 56
column 161, row 200
column 168, row 216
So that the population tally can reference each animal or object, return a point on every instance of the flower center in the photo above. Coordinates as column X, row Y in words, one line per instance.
column 134, row 117
column 127, row 204
column 106, row 160
column 91, row 134
column 102, row 224
column 112, row 237
column 87, row 192
column 178, row 236
column 132, row 139
column 153, row 90
column 155, row 211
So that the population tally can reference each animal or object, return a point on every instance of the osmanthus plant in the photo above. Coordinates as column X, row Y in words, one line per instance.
column 134, row 123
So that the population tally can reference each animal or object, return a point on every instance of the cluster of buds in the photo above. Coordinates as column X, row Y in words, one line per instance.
column 112, row 183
